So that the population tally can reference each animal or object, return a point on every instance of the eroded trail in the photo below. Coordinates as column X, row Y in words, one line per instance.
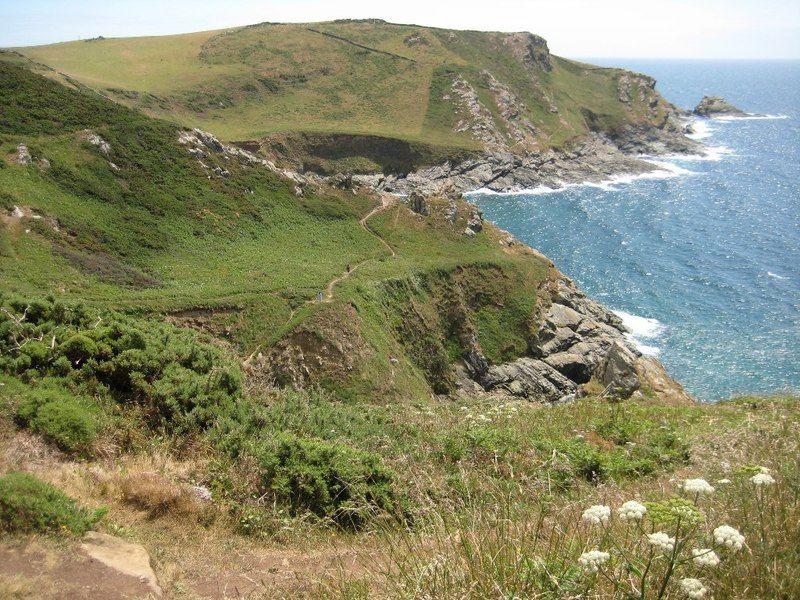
column 386, row 202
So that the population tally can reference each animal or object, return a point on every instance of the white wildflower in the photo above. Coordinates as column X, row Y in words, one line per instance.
column 727, row 536
column 693, row 588
column 764, row 470
column 697, row 486
column 597, row 514
column 592, row 561
column 762, row 479
column 661, row 541
column 705, row 557
column 632, row 511
column 723, row 481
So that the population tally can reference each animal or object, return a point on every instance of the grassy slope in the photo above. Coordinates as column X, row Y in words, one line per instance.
column 159, row 236
column 248, row 82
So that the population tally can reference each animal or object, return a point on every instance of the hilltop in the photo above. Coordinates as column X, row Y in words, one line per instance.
column 375, row 97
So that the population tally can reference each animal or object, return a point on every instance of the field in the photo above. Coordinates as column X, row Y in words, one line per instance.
column 353, row 77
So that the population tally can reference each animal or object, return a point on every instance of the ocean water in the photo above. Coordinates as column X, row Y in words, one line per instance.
column 703, row 262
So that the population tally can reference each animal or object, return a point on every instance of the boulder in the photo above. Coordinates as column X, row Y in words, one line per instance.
column 711, row 106
column 124, row 557
column 529, row 378
column 618, row 371
column 418, row 204
column 24, row 155
column 559, row 315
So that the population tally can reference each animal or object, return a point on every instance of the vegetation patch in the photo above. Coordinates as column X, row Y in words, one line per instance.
column 28, row 504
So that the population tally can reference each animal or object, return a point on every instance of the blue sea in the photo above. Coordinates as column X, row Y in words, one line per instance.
column 704, row 263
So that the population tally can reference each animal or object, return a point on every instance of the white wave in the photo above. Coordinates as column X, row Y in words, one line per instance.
column 775, row 275
column 641, row 329
column 700, row 130
column 749, row 117
column 665, row 170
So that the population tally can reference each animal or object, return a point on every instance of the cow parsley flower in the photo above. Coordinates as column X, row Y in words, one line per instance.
column 705, row 557
column 693, row 588
column 727, row 536
column 762, row 479
column 597, row 514
column 723, row 481
column 592, row 561
column 697, row 486
column 661, row 541
column 632, row 511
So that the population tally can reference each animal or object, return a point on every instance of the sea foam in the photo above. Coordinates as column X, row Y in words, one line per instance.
column 642, row 330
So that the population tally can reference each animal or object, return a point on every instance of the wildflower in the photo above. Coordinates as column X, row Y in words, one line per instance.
column 764, row 470
column 597, row 514
column 762, row 479
column 727, row 536
column 697, row 486
column 592, row 561
column 661, row 541
column 693, row 588
column 705, row 557
column 632, row 511
column 723, row 481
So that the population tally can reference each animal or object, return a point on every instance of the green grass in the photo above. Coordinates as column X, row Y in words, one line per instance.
column 250, row 82
column 28, row 504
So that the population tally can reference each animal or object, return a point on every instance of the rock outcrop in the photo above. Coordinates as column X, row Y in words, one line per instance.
column 714, row 106
column 578, row 342
column 124, row 557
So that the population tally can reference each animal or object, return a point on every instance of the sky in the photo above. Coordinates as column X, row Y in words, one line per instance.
column 573, row 28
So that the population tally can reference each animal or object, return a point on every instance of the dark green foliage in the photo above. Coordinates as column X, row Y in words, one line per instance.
column 28, row 504
column 183, row 383
column 71, row 423
column 329, row 479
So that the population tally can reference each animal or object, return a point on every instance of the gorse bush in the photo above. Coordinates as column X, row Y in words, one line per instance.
column 68, row 421
column 329, row 479
column 182, row 383
column 28, row 504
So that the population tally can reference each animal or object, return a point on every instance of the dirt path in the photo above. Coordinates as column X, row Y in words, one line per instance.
column 386, row 202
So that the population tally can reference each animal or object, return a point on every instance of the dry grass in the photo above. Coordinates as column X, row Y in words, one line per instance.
column 158, row 495
column 17, row 588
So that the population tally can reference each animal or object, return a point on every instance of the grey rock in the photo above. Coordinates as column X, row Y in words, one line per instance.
column 618, row 371
column 577, row 367
column 560, row 315
column 529, row 378
column 24, row 155
column 711, row 106
column 418, row 204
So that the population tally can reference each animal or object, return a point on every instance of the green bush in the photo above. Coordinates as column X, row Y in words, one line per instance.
column 71, row 423
column 28, row 504
column 183, row 383
column 328, row 479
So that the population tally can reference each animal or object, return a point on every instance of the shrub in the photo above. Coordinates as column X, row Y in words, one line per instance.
column 28, row 504
column 78, row 348
column 329, row 479
column 69, row 422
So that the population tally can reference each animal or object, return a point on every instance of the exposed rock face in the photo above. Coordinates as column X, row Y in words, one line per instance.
column 477, row 118
column 711, row 106
column 24, row 155
column 531, row 50
column 577, row 341
column 416, row 202
column 125, row 557
column 95, row 140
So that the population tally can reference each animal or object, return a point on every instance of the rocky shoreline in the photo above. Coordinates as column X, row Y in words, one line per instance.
column 593, row 160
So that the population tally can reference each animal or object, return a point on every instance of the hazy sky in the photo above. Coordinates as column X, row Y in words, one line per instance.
column 578, row 28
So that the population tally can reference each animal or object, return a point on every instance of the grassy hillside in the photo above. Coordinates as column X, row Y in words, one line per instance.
column 160, row 302
column 358, row 77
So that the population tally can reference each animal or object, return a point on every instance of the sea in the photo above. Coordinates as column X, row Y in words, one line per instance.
column 701, row 260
